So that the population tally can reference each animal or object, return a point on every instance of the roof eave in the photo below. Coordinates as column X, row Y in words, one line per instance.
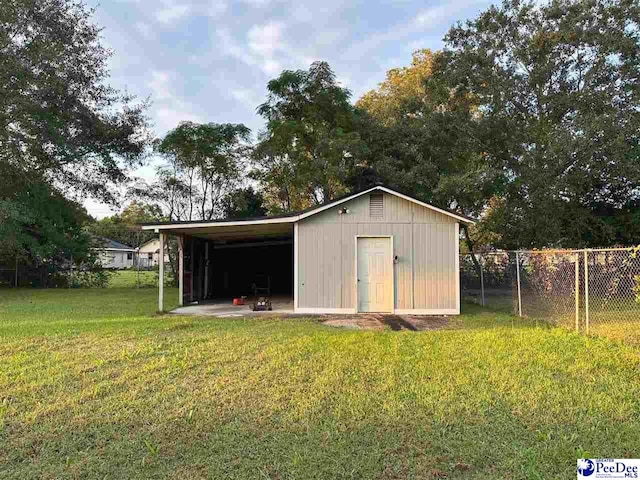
column 295, row 218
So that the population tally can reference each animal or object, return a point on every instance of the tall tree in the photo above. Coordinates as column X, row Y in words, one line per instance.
column 557, row 88
column 204, row 163
column 244, row 203
column 418, row 141
column 401, row 87
column 63, row 130
column 310, row 144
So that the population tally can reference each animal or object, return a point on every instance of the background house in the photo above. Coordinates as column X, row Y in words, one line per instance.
column 116, row 255
column 149, row 253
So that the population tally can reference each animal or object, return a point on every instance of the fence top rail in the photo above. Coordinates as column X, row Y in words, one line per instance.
column 580, row 250
column 553, row 251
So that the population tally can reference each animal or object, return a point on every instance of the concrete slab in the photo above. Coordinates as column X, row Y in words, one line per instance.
column 225, row 308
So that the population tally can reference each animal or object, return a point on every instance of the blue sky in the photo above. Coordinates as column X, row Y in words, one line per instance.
column 210, row 60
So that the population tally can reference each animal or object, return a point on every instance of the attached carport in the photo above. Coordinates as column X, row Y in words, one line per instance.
column 221, row 260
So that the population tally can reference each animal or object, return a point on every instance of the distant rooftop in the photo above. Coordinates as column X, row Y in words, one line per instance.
column 109, row 244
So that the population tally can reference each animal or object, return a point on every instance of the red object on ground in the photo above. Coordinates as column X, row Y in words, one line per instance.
column 238, row 301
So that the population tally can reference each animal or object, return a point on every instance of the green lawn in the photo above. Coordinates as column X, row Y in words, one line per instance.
column 92, row 385
column 133, row 279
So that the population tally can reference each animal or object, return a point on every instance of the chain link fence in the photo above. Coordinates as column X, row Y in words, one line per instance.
column 489, row 279
column 593, row 291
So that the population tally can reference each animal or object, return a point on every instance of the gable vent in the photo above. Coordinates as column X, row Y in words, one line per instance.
column 376, row 205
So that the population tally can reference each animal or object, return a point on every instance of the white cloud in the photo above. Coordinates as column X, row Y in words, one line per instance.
column 172, row 13
column 432, row 17
column 144, row 29
column 217, row 8
column 168, row 109
column 159, row 85
column 264, row 42
column 167, row 117
column 257, row 3
column 247, row 97
column 265, row 39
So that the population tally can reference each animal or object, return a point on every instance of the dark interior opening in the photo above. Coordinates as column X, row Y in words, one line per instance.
column 235, row 269
column 245, row 270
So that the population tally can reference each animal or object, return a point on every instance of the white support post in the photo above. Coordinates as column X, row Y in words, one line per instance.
column 456, row 267
column 161, row 273
column 577, row 292
column 180, row 271
column 586, row 292
column 16, row 273
column 295, row 266
column 519, row 290
column 481, row 279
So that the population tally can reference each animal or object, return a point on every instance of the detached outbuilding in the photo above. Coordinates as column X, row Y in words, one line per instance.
column 374, row 251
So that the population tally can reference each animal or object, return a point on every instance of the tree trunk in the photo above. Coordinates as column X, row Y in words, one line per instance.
column 470, row 246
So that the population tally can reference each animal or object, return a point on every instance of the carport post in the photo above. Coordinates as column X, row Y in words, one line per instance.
column 518, row 277
column 181, row 270
column 481, row 278
column 161, row 274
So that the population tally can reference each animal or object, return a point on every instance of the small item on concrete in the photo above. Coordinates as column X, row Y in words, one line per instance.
column 262, row 304
column 239, row 301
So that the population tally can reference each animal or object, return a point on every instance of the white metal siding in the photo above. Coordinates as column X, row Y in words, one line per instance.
column 425, row 242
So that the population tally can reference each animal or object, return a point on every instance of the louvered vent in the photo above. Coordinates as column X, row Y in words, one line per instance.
column 376, row 205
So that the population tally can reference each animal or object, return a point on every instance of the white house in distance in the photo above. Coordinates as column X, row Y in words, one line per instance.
column 373, row 251
column 149, row 253
column 114, row 254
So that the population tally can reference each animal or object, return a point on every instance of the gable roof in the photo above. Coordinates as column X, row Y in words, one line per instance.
column 300, row 215
column 109, row 244
column 321, row 208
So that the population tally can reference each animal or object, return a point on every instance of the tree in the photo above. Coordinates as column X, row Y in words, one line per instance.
column 63, row 130
column 123, row 227
column 244, row 203
column 59, row 121
column 418, row 142
column 310, row 144
column 203, row 164
column 557, row 89
column 401, row 87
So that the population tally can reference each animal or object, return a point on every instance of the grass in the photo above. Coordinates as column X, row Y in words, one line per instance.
column 94, row 386
column 133, row 279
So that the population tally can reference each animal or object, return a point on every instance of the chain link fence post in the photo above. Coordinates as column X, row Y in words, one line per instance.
column 519, row 288
column 577, row 289
column 586, row 291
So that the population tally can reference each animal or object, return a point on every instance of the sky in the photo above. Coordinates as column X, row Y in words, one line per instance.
column 210, row 60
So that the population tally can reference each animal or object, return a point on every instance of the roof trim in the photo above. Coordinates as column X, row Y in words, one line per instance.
column 391, row 192
column 439, row 210
column 234, row 223
column 293, row 218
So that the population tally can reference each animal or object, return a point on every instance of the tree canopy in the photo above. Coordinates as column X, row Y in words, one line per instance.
column 203, row 163
column 64, row 133
column 310, row 145
column 557, row 91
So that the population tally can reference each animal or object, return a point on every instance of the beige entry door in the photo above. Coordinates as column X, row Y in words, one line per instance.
column 375, row 274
